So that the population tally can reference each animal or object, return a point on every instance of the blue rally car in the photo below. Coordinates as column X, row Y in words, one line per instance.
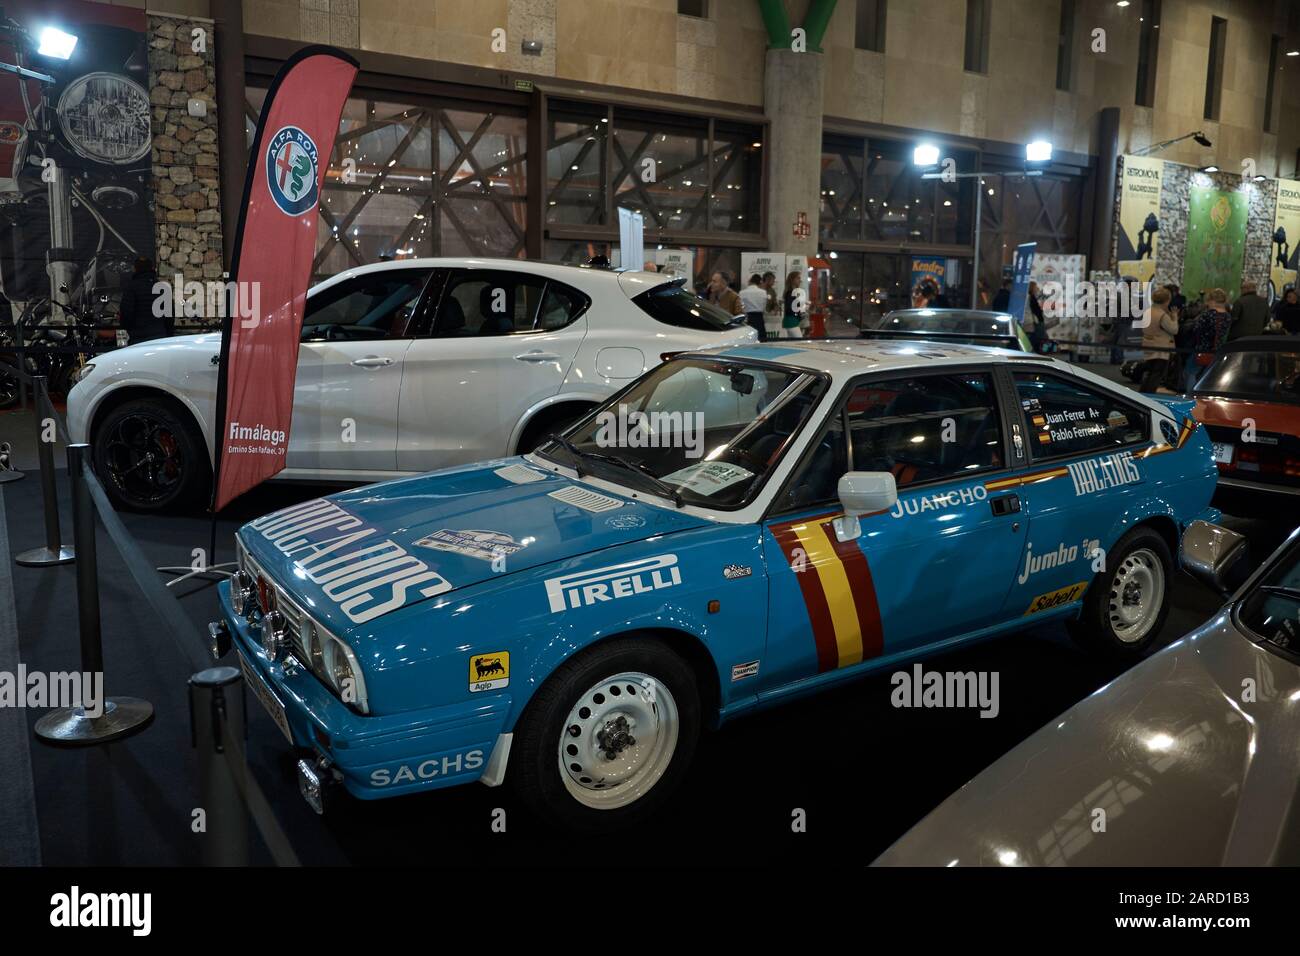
column 734, row 529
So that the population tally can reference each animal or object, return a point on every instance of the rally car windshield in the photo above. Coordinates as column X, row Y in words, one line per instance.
column 695, row 431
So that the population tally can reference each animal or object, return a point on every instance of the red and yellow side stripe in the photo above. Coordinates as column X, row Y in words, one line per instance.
column 1033, row 477
column 837, row 588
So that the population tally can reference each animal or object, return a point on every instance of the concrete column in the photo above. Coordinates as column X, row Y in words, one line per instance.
column 792, row 101
column 1107, row 173
column 232, row 151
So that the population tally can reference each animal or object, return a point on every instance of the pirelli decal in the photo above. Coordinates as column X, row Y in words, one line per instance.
column 837, row 589
column 1189, row 426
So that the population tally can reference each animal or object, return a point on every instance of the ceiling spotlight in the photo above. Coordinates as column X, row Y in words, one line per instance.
column 1209, row 169
column 54, row 42
column 1293, row 52
column 1121, row 3
column 927, row 154
column 1039, row 151
column 1260, row 178
column 1202, row 139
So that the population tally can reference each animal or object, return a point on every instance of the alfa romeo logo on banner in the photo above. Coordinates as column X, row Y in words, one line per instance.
column 291, row 171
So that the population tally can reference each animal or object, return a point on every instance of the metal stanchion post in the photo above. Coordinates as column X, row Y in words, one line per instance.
column 54, row 552
column 121, row 716
column 217, row 708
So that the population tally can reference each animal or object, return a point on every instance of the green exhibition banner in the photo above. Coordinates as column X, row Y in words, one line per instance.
column 1216, row 241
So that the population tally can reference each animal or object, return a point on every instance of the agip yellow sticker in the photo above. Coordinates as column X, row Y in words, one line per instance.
column 1057, row 598
column 489, row 671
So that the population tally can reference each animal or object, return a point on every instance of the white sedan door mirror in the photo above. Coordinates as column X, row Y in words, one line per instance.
column 862, row 493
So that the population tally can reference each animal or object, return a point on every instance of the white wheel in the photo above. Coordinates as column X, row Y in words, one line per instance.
column 618, row 740
column 1136, row 595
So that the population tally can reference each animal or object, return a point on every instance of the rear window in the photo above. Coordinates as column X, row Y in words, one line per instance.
column 673, row 305
column 1272, row 376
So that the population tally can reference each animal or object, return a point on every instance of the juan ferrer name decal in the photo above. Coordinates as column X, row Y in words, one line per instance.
column 336, row 550
column 1108, row 471
column 585, row 588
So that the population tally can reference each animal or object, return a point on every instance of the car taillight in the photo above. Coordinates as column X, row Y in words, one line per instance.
column 1291, row 467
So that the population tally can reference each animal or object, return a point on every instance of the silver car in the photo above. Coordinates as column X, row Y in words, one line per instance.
column 1191, row 758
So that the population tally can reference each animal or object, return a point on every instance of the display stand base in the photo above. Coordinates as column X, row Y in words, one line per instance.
column 11, row 475
column 70, row 727
column 44, row 557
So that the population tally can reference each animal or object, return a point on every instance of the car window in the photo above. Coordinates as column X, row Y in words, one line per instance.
column 919, row 430
column 488, row 303
column 1065, row 418
column 376, row 305
column 1272, row 376
column 560, row 306
column 672, row 305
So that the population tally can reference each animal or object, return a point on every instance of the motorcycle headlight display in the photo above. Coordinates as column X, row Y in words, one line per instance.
column 105, row 117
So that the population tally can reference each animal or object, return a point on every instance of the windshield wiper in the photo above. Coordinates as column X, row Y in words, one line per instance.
column 665, row 489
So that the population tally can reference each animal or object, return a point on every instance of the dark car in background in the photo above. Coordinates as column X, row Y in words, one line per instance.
column 1249, row 403
column 955, row 326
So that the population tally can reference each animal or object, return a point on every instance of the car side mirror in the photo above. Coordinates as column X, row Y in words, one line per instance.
column 863, row 493
column 1212, row 554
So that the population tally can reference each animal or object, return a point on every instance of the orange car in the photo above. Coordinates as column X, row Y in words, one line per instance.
column 1249, row 403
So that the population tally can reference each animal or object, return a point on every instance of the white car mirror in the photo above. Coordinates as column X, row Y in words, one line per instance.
column 861, row 493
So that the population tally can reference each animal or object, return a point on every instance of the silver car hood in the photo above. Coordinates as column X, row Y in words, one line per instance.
column 1185, row 772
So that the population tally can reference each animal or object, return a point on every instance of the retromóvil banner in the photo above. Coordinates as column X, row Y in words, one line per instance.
column 274, row 247
column 1285, row 255
column 1139, row 216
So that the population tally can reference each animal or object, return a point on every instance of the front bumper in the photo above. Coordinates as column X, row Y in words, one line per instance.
column 379, row 755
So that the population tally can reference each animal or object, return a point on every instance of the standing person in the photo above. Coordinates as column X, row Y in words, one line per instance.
column 1038, row 330
column 1002, row 300
column 136, row 313
column 1249, row 313
column 794, row 305
column 1177, row 301
column 1287, row 311
column 1209, row 334
column 772, row 313
column 753, row 299
column 984, row 295
column 1157, row 337
column 722, row 295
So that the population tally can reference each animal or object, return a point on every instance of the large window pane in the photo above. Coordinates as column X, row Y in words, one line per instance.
column 661, row 169
column 737, row 178
column 575, row 164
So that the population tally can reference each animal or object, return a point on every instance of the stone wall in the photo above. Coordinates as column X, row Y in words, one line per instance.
column 186, row 190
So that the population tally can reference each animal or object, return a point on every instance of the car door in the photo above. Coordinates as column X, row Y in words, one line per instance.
column 350, row 372
column 497, row 343
column 1083, row 474
column 936, row 566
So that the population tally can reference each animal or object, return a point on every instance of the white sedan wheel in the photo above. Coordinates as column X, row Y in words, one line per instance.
column 618, row 740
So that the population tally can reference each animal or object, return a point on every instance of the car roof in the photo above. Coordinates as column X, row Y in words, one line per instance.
column 852, row 356
column 1262, row 343
column 987, row 314
column 631, row 281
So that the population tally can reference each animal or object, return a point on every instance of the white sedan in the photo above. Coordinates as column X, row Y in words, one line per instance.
column 403, row 367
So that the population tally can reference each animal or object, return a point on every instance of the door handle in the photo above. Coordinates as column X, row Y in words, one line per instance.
column 537, row 357
column 373, row 361
column 1005, row 504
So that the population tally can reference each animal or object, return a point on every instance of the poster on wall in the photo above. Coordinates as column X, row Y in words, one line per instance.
column 75, row 163
column 1284, row 259
column 676, row 262
column 931, row 268
column 1139, row 217
column 761, row 262
column 1216, row 241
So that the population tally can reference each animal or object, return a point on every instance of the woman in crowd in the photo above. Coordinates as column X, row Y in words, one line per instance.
column 794, row 304
column 1158, row 341
column 1208, row 335
column 1287, row 311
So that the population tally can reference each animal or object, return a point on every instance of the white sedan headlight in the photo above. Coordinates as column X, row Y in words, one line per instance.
column 81, row 373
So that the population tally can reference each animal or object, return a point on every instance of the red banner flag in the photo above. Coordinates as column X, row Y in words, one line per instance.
column 274, row 248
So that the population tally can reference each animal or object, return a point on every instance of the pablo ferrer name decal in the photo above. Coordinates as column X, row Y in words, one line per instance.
column 365, row 577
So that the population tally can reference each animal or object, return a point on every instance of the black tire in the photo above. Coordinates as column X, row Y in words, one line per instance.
column 534, row 772
column 1098, row 628
column 179, row 474
column 545, row 422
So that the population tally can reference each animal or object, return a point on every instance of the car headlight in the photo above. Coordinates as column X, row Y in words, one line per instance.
column 342, row 672
column 81, row 373
column 274, row 631
column 242, row 594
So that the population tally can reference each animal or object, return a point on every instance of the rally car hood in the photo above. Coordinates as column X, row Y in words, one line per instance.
column 354, row 556
column 1167, row 765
